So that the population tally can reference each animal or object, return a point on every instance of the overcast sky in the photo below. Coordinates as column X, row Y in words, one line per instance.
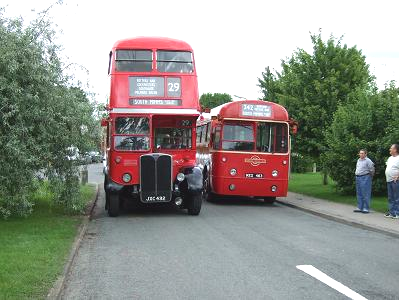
column 233, row 41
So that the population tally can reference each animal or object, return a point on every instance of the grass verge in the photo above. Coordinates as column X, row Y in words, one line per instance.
column 311, row 184
column 33, row 250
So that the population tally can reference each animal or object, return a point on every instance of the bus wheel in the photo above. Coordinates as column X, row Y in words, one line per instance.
column 207, row 194
column 269, row 200
column 113, row 206
column 194, row 204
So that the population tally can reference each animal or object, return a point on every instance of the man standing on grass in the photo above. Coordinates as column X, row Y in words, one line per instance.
column 364, row 173
column 392, row 175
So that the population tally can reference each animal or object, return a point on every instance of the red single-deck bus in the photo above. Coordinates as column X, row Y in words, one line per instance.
column 243, row 148
column 153, row 107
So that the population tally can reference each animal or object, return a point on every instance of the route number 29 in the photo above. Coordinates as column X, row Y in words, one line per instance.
column 173, row 86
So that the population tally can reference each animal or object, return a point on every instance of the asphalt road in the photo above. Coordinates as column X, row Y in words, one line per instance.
column 235, row 249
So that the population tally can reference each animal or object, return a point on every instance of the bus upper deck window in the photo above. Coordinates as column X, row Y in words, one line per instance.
column 175, row 61
column 133, row 60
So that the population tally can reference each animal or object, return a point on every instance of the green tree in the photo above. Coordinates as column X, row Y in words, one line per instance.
column 312, row 85
column 209, row 100
column 368, row 120
column 41, row 115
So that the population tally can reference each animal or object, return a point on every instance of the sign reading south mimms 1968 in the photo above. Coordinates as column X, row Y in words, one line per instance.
column 256, row 110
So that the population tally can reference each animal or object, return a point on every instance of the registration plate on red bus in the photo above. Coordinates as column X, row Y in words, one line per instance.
column 254, row 175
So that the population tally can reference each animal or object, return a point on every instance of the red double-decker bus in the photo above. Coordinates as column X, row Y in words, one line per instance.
column 243, row 148
column 152, row 112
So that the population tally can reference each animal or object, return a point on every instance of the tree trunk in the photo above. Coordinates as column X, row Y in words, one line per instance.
column 325, row 178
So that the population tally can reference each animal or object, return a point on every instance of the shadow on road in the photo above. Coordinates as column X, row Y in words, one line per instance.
column 241, row 201
column 158, row 210
column 131, row 209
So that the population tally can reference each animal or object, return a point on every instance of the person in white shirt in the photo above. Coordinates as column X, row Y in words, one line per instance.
column 392, row 176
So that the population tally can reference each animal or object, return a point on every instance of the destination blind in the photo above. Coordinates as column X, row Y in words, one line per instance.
column 256, row 110
column 154, row 87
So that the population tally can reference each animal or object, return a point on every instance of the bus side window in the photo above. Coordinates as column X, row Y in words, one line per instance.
column 281, row 138
column 109, row 63
column 109, row 135
column 206, row 132
column 216, row 138
column 199, row 129
column 264, row 141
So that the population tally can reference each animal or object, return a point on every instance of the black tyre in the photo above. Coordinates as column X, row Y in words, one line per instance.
column 194, row 204
column 269, row 200
column 113, row 206
column 106, row 200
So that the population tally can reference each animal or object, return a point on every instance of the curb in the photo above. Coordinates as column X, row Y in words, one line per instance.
column 58, row 287
column 341, row 220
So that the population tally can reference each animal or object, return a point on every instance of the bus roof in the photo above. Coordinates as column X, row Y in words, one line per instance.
column 152, row 43
column 250, row 109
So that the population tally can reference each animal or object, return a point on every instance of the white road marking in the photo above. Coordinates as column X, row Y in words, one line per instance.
column 319, row 275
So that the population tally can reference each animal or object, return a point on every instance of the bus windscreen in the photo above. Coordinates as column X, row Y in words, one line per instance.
column 238, row 137
column 132, row 134
column 173, row 138
column 270, row 137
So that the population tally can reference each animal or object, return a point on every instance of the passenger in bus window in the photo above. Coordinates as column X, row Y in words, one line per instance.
column 166, row 143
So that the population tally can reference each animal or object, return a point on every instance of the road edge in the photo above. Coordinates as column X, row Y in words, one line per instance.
column 340, row 220
column 56, row 290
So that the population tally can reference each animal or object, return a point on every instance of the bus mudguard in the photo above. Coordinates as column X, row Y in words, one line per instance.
column 111, row 186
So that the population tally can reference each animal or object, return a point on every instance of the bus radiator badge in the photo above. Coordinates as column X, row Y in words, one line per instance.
column 255, row 160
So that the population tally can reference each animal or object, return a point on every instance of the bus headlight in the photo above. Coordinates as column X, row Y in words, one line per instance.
column 233, row 172
column 274, row 188
column 180, row 177
column 178, row 201
column 274, row 173
column 126, row 177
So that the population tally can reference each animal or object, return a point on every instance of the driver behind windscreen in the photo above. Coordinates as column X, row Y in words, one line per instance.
column 177, row 143
column 166, row 142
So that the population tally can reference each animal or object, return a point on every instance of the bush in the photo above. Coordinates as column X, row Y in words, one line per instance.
column 300, row 163
column 66, row 191
column 369, row 121
column 41, row 115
